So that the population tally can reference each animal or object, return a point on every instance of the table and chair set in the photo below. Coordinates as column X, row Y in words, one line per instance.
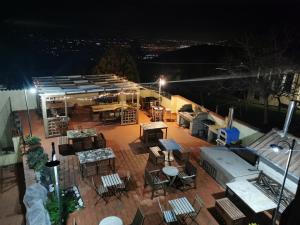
column 181, row 210
column 180, row 177
column 80, row 140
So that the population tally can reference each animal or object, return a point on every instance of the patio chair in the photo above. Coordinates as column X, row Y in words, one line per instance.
column 156, row 180
column 77, row 146
column 169, row 216
column 104, row 167
column 187, row 175
column 138, row 218
column 101, row 191
column 89, row 169
column 99, row 141
column 198, row 204
column 87, row 143
column 124, row 187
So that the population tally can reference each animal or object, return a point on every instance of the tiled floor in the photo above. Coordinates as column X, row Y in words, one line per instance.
column 130, row 156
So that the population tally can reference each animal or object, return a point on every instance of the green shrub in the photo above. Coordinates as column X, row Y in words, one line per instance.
column 36, row 159
column 68, row 206
column 32, row 140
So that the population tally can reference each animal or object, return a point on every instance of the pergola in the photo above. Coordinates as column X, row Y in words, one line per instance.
column 105, row 95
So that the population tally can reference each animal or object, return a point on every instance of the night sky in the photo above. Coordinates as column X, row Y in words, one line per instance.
column 202, row 20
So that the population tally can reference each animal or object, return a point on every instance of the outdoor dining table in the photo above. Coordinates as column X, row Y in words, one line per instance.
column 82, row 133
column 171, row 172
column 111, row 220
column 97, row 155
column 255, row 199
column 153, row 126
column 169, row 145
column 181, row 207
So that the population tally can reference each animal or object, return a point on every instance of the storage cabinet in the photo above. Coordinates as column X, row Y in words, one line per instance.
column 129, row 116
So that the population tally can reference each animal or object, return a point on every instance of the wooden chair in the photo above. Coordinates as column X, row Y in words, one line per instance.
column 89, row 169
column 101, row 191
column 187, row 175
column 138, row 218
column 156, row 155
column 77, row 146
column 104, row 167
column 64, row 148
column 169, row 216
column 99, row 141
column 87, row 144
column 155, row 179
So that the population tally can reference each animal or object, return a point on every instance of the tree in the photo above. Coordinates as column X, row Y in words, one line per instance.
column 266, row 56
column 117, row 60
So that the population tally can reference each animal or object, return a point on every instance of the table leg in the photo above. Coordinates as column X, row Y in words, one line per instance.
column 114, row 165
column 166, row 133
column 140, row 131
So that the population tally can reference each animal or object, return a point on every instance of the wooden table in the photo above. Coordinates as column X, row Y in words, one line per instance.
column 107, row 107
column 181, row 206
column 153, row 126
column 251, row 196
column 229, row 212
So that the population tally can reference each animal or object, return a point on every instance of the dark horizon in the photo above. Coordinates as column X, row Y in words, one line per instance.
column 208, row 21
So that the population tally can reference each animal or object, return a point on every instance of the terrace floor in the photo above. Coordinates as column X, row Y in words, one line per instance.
column 130, row 156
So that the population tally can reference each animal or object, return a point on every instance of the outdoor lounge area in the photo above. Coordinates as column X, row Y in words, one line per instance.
column 146, row 172
column 132, row 163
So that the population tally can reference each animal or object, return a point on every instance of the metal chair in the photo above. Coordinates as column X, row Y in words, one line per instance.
column 124, row 187
column 155, row 181
column 198, row 204
column 101, row 191
column 169, row 216
column 188, row 175
column 138, row 218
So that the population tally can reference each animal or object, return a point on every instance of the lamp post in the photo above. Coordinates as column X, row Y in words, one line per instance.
column 54, row 164
column 277, row 148
column 32, row 91
column 161, row 82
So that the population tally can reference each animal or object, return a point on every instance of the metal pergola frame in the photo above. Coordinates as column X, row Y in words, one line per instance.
column 52, row 87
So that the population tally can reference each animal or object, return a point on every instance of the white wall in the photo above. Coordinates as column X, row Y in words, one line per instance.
column 18, row 99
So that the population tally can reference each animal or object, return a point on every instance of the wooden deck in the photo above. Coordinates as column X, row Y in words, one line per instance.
column 131, row 156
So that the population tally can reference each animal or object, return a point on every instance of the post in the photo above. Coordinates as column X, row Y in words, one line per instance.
column 28, row 114
column 159, row 90
column 284, row 179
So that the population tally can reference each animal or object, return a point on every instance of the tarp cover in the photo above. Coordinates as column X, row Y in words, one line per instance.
column 34, row 199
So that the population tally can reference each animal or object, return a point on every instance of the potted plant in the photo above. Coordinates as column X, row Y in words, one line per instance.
column 32, row 142
column 36, row 160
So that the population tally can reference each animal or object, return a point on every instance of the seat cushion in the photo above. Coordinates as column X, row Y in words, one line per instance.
column 169, row 216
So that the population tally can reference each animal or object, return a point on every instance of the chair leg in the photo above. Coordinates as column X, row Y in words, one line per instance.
column 152, row 195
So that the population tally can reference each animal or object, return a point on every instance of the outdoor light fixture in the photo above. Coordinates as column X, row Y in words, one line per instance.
column 32, row 90
column 54, row 164
column 161, row 82
column 277, row 147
